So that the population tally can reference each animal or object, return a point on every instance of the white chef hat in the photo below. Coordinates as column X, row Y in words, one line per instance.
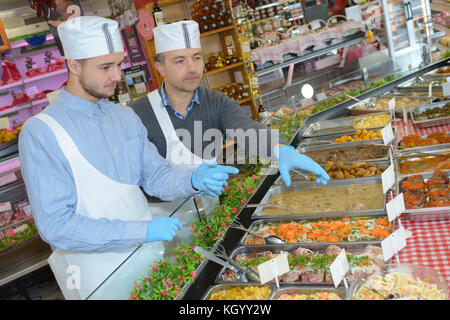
column 89, row 36
column 178, row 35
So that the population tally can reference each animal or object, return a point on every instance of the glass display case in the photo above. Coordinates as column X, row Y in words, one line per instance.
column 120, row 283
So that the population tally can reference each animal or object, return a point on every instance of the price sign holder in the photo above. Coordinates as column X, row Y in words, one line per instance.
column 393, row 244
column 446, row 88
column 274, row 268
column 339, row 269
column 395, row 207
column 387, row 134
column 392, row 108
column 388, row 178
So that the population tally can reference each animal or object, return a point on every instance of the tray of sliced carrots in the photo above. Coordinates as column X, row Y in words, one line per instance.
column 373, row 228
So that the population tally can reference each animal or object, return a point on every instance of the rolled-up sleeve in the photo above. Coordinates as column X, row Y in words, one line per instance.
column 53, row 198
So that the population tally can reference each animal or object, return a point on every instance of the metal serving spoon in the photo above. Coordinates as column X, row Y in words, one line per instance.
column 268, row 240
column 370, row 104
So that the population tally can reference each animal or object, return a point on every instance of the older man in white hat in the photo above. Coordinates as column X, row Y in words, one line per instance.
column 84, row 160
column 182, row 105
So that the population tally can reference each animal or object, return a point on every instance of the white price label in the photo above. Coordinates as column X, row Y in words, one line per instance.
column 393, row 244
column 388, row 178
column 339, row 268
column 387, row 134
column 395, row 207
column 273, row 268
column 446, row 89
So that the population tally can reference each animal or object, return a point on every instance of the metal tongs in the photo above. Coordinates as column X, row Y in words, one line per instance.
column 414, row 153
column 370, row 104
column 271, row 206
column 242, row 273
column 248, row 273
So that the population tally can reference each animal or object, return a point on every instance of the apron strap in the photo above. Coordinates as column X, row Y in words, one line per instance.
column 162, row 115
column 65, row 142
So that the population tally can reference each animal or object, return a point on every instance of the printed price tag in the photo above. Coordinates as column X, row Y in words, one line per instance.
column 446, row 89
column 393, row 244
column 273, row 268
column 339, row 268
column 387, row 134
column 388, row 178
column 395, row 207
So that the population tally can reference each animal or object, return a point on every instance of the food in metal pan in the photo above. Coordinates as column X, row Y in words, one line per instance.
column 325, row 230
column 320, row 295
column 398, row 285
column 337, row 170
column 309, row 266
column 360, row 135
column 242, row 293
column 372, row 121
column 401, row 103
column 434, row 113
column 432, row 193
column 349, row 153
column 414, row 140
column 425, row 164
column 345, row 198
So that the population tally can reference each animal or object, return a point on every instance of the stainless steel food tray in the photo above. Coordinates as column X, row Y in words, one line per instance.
column 402, row 156
column 340, row 125
column 400, row 149
column 430, row 122
column 398, row 111
column 424, row 214
column 257, row 223
column 329, row 139
column 341, row 292
column 320, row 247
column 218, row 287
column 305, row 150
column 313, row 185
column 298, row 178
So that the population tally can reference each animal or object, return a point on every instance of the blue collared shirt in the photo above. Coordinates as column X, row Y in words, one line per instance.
column 166, row 103
column 114, row 140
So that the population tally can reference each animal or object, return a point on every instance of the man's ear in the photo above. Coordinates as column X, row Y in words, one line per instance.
column 160, row 67
column 74, row 66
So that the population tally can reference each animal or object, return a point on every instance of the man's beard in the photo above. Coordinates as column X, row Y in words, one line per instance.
column 92, row 91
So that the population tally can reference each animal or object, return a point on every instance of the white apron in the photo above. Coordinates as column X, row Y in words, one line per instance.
column 99, row 197
column 179, row 157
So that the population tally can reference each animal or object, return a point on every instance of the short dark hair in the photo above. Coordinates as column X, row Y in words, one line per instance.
column 159, row 57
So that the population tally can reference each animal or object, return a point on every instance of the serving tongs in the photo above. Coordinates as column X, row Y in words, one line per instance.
column 369, row 104
column 240, row 272
column 268, row 240
column 248, row 273
column 270, row 206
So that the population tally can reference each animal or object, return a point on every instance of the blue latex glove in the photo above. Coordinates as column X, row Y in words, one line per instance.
column 162, row 229
column 289, row 158
column 211, row 178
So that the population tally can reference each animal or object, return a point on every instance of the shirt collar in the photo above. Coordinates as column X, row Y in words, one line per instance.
column 79, row 104
column 166, row 102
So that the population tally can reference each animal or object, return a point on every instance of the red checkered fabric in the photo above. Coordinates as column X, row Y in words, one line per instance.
column 430, row 242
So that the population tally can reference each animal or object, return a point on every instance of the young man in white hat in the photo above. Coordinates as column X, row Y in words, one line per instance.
column 182, row 105
column 84, row 160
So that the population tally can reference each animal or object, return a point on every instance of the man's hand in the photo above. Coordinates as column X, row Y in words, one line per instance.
column 211, row 178
column 289, row 158
column 162, row 229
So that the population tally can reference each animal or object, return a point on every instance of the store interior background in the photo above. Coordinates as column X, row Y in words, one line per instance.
column 35, row 280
